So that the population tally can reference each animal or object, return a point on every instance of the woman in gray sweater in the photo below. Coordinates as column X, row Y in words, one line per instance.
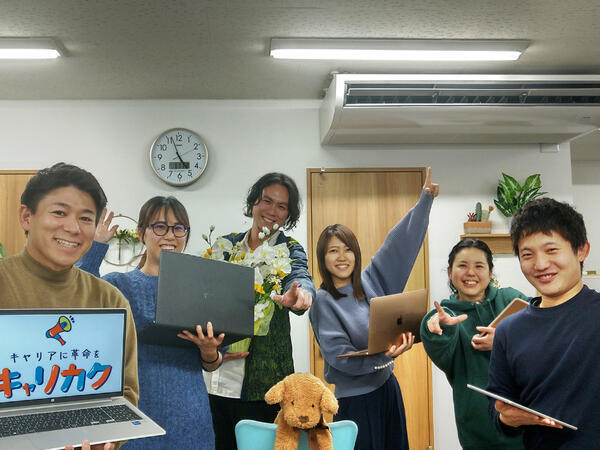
column 366, row 388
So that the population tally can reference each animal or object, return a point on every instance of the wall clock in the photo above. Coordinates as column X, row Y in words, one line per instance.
column 178, row 156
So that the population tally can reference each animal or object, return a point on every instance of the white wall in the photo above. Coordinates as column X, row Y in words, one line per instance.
column 248, row 138
column 586, row 193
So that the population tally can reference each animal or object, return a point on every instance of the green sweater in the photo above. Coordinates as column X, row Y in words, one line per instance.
column 453, row 353
column 25, row 283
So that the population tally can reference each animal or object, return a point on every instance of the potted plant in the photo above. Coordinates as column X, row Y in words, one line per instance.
column 478, row 221
column 511, row 195
column 2, row 251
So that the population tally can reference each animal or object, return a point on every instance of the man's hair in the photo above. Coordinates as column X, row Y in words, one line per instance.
column 545, row 215
column 344, row 234
column 58, row 176
column 256, row 191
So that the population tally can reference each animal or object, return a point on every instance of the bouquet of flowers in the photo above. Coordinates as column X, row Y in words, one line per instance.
column 271, row 265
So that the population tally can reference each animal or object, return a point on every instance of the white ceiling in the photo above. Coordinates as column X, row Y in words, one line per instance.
column 218, row 49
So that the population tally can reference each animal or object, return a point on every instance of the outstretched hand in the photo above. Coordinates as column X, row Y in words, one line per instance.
column 104, row 232
column 296, row 298
column 429, row 187
column 441, row 317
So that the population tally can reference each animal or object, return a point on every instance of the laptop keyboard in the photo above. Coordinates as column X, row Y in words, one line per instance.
column 60, row 420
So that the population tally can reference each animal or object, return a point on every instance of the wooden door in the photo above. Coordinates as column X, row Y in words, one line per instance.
column 12, row 185
column 371, row 202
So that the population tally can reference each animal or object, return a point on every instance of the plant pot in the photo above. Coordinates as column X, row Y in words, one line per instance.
column 478, row 227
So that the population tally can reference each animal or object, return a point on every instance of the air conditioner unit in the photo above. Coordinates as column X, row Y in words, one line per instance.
column 396, row 109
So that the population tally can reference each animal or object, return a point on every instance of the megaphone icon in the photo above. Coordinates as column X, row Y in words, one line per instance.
column 63, row 324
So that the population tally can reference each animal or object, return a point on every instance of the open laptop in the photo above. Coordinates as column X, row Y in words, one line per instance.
column 193, row 291
column 61, row 379
column 392, row 315
column 518, row 405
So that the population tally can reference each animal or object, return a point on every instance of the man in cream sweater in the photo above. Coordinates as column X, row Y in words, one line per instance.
column 59, row 211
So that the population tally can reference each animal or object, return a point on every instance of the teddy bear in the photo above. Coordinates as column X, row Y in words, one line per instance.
column 303, row 399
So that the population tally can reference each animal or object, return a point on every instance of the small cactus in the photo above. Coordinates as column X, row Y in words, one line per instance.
column 478, row 212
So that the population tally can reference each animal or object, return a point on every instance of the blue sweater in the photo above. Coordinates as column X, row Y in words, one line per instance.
column 547, row 359
column 172, row 390
column 341, row 326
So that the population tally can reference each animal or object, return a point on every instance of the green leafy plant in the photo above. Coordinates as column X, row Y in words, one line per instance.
column 2, row 251
column 511, row 195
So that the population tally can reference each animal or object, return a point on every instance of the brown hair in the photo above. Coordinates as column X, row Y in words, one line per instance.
column 344, row 234
column 153, row 208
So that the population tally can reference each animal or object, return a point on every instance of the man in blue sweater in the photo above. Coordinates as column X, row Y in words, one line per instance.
column 546, row 356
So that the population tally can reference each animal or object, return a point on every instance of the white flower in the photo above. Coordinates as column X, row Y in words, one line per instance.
column 276, row 226
column 266, row 231
column 258, row 308
column 261, row 235
column 221, row 246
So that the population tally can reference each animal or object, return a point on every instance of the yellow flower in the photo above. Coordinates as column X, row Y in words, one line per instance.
column 206, row 255
column 209, row 251
column 243, row 255
column 237, row 258
column 281, row 273
column 258, row 288
column 276, row 287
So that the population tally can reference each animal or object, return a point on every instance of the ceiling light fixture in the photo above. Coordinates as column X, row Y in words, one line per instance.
column 30, row 48
column 398, row 49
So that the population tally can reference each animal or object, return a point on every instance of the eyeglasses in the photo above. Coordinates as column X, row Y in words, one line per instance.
column 161, row 228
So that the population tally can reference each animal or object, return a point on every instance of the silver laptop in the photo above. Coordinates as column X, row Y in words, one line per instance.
column 389, row 317
column 193, row 291
column 61, row 379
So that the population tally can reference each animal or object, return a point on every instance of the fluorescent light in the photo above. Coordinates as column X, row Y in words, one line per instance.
column 398, row 49
column 29, row 48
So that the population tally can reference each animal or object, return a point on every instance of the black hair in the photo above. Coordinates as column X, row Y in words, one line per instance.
column 344, row 234
column 469, row 243
column 256, row 191
column 58, row 176
column 545, row 215
column 155, row 206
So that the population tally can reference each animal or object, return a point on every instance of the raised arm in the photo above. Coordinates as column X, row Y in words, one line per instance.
column 391, row 266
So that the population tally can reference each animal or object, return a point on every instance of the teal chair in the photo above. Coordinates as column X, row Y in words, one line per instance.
column 254, row 435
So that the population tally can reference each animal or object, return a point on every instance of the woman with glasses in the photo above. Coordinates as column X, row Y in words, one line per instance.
column 172, row 390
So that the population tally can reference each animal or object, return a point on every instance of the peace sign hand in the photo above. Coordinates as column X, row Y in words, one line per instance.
column 429, row 187
column 441, row 317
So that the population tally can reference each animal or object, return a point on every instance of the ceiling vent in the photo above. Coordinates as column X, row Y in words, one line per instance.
column 395, row 109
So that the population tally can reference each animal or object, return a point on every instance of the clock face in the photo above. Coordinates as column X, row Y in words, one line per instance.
column 178, row 156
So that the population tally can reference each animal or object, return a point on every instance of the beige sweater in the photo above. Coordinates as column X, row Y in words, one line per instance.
column 25, row 283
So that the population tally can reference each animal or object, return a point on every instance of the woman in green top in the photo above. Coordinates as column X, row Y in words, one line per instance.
column 458, row 340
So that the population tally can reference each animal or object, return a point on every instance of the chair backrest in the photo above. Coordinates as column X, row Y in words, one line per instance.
column 254, row 435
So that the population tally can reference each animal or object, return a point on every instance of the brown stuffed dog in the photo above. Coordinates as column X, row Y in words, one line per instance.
column 303, row 399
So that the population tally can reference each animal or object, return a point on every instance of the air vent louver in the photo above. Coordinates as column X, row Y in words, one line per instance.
column 498, row 93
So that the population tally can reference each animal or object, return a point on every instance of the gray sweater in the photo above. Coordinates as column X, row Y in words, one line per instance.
column 341, row 326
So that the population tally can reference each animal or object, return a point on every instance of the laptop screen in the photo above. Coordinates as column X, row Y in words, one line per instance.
column 56, row 355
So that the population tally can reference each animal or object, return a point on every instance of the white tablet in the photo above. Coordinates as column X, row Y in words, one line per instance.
column 517, row 405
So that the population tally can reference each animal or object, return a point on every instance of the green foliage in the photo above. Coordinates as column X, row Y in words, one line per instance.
column 511, row 195
column 2, row 251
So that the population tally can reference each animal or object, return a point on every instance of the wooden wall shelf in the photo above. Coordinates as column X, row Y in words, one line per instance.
column 498, row 243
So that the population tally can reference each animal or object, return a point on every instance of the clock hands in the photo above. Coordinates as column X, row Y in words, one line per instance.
column 176, row 151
